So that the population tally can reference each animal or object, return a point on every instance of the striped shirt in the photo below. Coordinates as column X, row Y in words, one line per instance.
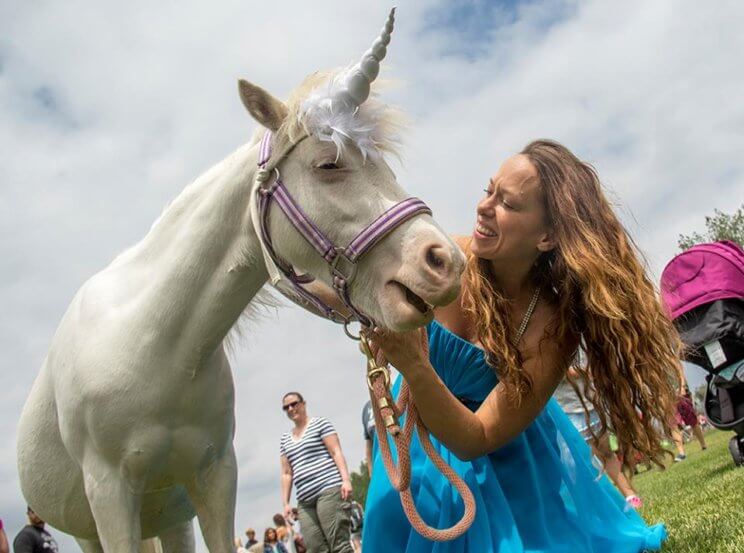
column 313, row 468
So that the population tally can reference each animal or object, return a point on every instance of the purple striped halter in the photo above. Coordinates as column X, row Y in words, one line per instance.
column 342, row 261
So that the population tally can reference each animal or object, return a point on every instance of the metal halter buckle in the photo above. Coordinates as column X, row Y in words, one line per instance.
column 266, row 186
column 348, row 264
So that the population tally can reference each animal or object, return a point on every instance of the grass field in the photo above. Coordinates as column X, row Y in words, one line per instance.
column 701, row 500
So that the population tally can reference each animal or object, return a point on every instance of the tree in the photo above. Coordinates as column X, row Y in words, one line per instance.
column 360, row 483
column 699, row 395
column 719, row 226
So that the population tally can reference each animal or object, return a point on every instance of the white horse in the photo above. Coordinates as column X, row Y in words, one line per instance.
column 128, row 431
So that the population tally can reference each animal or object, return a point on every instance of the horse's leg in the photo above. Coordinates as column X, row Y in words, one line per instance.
column 115, row 504
column 151, row 545
column 178, row 539
column 212, row 493
column 89, row 546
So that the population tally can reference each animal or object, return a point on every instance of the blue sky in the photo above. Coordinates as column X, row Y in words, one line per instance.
column 107, row 111
column 470, row 28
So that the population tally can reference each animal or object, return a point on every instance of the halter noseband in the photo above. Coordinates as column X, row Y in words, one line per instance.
column 342, row 261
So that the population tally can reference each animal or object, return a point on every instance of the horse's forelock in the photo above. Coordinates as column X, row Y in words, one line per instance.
column 375, row 129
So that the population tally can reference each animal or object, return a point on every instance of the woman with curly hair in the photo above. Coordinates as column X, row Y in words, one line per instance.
column 550, row 267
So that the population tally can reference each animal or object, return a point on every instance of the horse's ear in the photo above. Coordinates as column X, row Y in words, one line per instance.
column 264, row 108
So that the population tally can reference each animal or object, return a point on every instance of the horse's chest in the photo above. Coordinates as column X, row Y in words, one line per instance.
column 170, row 450
column 160, row 423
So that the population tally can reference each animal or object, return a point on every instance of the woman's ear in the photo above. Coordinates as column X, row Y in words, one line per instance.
column 546, row 242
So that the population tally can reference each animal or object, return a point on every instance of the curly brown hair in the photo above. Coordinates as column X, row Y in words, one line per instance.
column 597, row 282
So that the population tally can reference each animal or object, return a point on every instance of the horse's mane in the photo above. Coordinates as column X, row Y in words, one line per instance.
column 264, row 304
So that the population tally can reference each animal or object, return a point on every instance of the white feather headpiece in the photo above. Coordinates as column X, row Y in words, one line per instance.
column 335, row 113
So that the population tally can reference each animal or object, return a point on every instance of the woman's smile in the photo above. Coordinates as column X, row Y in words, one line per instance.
column 482, row 231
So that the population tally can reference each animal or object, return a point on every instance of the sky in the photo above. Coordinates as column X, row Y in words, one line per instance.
column 108, row 110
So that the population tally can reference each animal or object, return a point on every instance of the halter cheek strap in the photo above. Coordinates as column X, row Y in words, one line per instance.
column 342, row 261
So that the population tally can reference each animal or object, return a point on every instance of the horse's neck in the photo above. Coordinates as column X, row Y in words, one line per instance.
column 201, row 262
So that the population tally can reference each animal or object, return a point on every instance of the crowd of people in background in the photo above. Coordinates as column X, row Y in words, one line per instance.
column 285, row 536
column 573, row 398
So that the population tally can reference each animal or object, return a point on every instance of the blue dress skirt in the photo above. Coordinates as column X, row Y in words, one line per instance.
column 538, row 493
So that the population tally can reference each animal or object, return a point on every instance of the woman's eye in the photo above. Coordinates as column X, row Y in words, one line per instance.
column 487, row 191
column 328, row 166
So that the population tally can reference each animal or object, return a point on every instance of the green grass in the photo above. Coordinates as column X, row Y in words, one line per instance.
column 700, row 500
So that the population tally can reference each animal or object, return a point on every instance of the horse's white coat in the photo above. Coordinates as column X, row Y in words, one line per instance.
column 127, row 432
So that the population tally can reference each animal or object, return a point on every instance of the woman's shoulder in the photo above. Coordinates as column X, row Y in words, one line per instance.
column 319, row 422
column 462, row 241
column 453, row 318
column 540, row 337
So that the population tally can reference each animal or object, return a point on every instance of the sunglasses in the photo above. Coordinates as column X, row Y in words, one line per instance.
column 291, row 404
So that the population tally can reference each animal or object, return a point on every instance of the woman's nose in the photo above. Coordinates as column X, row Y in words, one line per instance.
column 485, row 208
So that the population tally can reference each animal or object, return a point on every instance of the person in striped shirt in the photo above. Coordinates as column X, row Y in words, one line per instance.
column 312, row 461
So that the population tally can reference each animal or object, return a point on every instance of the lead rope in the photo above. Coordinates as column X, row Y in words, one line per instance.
column 387, row 413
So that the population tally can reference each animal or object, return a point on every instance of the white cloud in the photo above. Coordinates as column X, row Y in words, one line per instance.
column 107, row 111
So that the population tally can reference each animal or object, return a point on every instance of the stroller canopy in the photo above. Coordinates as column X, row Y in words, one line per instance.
column 703, row 274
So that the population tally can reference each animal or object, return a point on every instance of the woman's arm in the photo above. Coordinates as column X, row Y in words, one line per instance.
column 368, row 455
column 286, row 484
column 334, row 449
column 682, row 379
column 499, row 419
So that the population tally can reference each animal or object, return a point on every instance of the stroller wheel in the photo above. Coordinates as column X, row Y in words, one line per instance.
column 737, row 450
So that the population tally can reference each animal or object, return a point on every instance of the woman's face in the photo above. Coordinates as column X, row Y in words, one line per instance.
column 294, row 407
column 271, row 535
column 511, row 219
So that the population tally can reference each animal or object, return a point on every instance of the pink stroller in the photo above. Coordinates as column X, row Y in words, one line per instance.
column 703, row 290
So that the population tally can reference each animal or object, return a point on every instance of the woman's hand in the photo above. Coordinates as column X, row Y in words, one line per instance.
column 406, row 351
column 346, row 490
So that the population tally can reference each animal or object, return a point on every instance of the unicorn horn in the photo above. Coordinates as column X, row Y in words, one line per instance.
column 361, row 75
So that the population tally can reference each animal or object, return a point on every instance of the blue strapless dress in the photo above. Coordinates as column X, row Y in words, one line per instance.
column 539, row 493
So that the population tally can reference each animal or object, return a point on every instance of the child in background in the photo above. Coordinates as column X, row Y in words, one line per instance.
column 569, row 398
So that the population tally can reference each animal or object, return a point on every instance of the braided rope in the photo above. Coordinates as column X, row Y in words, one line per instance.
column 386, row 413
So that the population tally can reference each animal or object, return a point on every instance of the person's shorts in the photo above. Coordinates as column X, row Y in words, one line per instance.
column 686, row 414
column 579, row 421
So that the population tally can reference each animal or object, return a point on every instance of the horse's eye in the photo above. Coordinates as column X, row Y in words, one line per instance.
column 328, row 166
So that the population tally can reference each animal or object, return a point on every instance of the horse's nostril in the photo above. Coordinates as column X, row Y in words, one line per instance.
column 436, row 258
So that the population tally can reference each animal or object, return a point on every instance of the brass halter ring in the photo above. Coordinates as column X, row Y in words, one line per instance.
column 350, row 334
column 372, row 367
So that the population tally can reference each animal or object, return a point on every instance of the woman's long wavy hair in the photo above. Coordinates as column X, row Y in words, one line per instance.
column 597, row 281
